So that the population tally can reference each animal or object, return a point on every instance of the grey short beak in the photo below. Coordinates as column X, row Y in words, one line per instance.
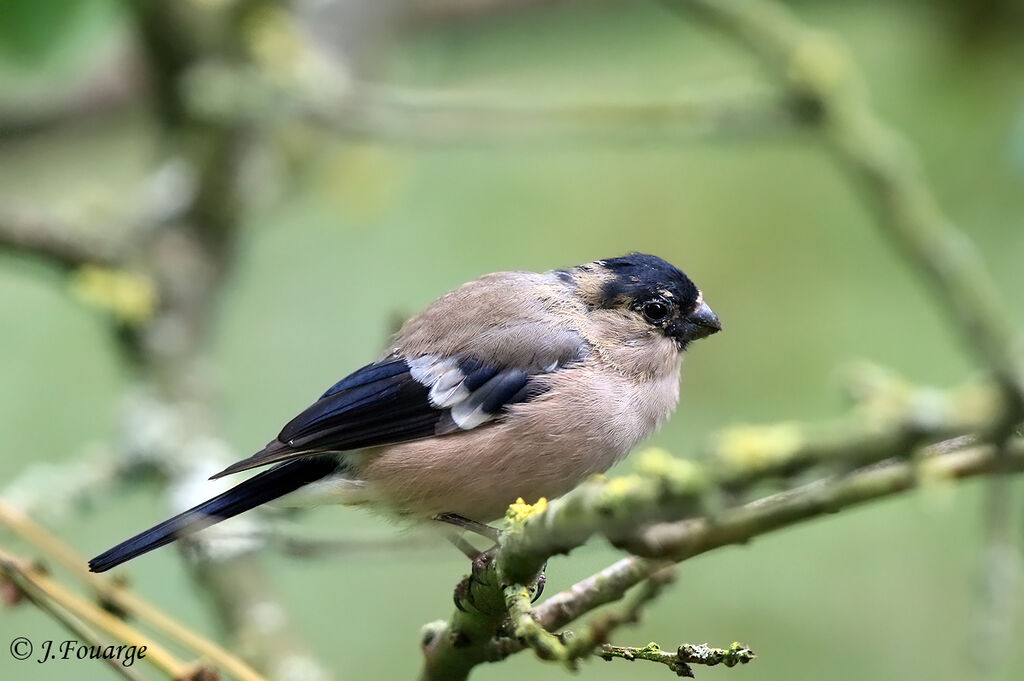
column 700, row 323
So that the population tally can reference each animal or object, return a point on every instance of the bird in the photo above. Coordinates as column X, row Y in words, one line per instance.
column 515, row 385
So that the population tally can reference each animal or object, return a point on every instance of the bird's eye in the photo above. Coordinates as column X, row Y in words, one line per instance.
column 655, row 312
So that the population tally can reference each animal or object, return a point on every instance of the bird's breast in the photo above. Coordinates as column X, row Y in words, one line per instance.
column 589, row 417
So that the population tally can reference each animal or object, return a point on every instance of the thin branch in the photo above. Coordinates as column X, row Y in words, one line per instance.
column 595, row 634
column 331, row 547
column 668, row 488
column 518, row 600
column 439, row 117
column 54, row 490
column 52, row 240
column 422, row 116
column 107, row 88
column 42, row 586
column 121, row 598
column 817, row 69
column 677, row 541
column 73, row 625
column 605, row 586
column 190, row 258
column 681, row 540
column 680, row 661
column 446, row 11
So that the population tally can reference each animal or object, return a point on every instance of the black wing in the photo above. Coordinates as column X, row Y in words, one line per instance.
column 397, row 400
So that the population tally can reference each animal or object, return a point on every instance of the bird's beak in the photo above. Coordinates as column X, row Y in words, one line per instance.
column 700, row 323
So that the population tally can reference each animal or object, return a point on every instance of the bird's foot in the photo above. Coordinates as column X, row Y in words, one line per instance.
column 542, row 579
column 476, row 592
column 467, row 595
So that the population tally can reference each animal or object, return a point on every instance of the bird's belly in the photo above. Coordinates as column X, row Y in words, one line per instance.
column 543, row 448
column 479, row 473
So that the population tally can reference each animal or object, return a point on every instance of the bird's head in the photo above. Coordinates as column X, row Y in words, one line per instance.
column 653, row 291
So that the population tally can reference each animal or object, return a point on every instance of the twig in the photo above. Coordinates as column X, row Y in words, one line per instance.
column 427, row 117
column 606, row 586
column 109, row 87
column 817, row 69
column 548, row 647
column 667, row 487
column 73, row 625
column 684, row 539
column 42, row 586
column 50, row 239
column 891, row 417
column 595, row 633
column 55, row 489
column 190, row 258
column 122, row 598
column 680, row 661
column 328, row 547
column 424, row 116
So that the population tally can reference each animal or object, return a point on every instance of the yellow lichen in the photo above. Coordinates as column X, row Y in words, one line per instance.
column 131, row 297
column 654, row 460
column 683, row 474
column 520, row 510
column 751, row 448
column 621, row 486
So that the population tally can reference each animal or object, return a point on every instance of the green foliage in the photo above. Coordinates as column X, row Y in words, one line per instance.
column 54, row 33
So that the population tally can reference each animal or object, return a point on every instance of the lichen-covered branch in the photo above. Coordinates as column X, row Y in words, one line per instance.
column 594, row 635
column 211, row 94
column 54, row 241
column 54, row 490
column 432, row 117
column 453, row 650
column 429, row 117
column 606, row 586
column 188, row 256
column 665, row 487
column 685, row 655
column 816, row 68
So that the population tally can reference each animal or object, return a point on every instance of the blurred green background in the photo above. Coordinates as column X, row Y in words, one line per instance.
column 777, row 237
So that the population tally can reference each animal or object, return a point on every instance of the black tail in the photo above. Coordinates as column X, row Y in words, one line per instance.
column 259, row 489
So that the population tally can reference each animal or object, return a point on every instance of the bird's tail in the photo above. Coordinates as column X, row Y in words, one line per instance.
column 259, row 489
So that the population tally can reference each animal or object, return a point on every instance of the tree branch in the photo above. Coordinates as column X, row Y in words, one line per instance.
column 120, row 598
column 817, row 69
column 83, row 632
column 42, row 587
column 64, row 245
column 437, row 117
column 452, row 651
column 680, row 661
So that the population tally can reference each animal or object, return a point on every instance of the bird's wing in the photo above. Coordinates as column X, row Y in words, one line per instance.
column 400, row 399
